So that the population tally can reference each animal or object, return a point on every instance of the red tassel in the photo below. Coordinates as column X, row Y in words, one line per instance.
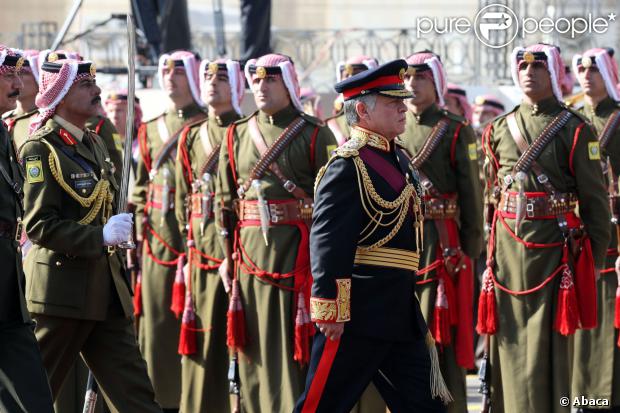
column 487, row 308
column 187, row 339
column 137, row 296
column 303, row 331
column 585, row 279
column 441, row 316
column 178, row 288
column 235, row 328
column 567, row 315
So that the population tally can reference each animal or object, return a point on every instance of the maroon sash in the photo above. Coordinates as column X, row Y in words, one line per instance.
column 392, row 175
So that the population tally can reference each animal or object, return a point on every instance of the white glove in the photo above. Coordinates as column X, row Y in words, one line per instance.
column 117, row 229
column 224, row 275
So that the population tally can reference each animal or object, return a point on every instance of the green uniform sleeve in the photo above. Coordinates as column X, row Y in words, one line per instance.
column 470, row 193
column 592, row 194
column 49, row 221
column 225, row 191
column 182, row 188
column 325, row 145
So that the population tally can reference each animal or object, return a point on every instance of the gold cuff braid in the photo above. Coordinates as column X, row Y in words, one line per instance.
column 333, row 310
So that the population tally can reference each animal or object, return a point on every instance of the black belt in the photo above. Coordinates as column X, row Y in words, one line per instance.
column 11, row 230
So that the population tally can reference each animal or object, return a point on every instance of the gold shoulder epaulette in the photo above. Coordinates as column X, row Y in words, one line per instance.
column 40, row 133
column 352, row 146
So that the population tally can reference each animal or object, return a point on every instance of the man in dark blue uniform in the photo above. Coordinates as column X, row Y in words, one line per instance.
column 365, row 247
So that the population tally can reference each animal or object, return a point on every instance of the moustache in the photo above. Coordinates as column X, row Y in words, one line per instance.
column 13, row 94
column 96, row 100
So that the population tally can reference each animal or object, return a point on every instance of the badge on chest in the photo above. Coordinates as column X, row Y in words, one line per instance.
column 34, row 169
column 83, row 183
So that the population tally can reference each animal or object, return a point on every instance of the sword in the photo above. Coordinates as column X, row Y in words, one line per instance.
column 65, row 27
column 129, row 125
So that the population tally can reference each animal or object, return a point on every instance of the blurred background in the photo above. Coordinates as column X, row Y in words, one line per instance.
column 317, row 34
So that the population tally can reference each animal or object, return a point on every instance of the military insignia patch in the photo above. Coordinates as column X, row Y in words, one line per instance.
column 261, row 72
column 213, row 68
column 586, row 62
column 93, row 69
column 528, row 57
column 34, row 169
column 594, row 151
column 330, row 150
column 472, row 151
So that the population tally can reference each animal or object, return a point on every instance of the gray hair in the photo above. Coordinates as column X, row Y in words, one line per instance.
column 349, row 107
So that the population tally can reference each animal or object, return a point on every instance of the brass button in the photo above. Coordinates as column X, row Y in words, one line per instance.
column 83, row 191
column 58, row 263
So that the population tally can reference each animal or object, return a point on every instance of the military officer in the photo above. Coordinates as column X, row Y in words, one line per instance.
column 18, row 120
column 337, row 123
column 160, row 291
column 539, row 285
column 365, row 248
column 23, row 382
column 596, row 371
column 203, row 329
column 456, row 102
column 75, row 285
column 267, row 168
column 442, row 147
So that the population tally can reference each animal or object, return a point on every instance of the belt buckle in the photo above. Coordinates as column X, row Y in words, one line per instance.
column 273, row 213
column 18, row 230
column 289, row 185
column 529, row 209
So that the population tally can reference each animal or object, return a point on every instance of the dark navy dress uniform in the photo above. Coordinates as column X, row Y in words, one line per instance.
column 364, row 250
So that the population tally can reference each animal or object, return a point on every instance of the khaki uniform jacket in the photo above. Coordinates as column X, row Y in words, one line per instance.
column 69, row 273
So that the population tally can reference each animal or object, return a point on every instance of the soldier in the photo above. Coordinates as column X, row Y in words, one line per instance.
column 23, row 383
column 443, row 149
column 337, row 123
column 203, row 330
column 456, row 102
column 539, row 285
column 18, row 120
column 160, row 294
column 485, row 109
column 267, row 168
column 596, row 371
column 115, row 107
column 365, row 248
column 76, row 289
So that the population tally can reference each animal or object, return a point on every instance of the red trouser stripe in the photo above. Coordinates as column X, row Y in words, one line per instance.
column 320, row 376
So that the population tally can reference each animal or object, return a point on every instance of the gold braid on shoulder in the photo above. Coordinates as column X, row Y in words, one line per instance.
column 383, row 213
column 99, row 200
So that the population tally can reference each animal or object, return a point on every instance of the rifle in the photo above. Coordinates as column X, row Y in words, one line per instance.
column 484, row 374
column 227, row 229
column 90, row 400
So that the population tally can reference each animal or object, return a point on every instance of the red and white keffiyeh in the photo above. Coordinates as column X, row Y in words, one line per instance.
column 287, row 71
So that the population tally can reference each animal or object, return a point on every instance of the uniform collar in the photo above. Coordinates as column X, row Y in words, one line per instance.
column 547, row 106
column 372, row 139
column 426, row 113
column 226, row 118
column 187, row 112
column 604, row 107
column 76, row 132
column 282, row 118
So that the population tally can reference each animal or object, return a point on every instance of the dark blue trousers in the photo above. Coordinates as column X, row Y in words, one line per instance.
column 340, row 371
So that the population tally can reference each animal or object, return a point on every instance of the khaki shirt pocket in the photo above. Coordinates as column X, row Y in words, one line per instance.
column 57, row 279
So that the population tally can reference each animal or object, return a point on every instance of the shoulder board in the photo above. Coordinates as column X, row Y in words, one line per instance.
column 335, row 115
column 198, row 122
column 312, row 119
column 351, row 147
column 156, row 117
column 577, row 114
column 503, row 115
column 245, row 119
column 40, row 133
column 454, row 117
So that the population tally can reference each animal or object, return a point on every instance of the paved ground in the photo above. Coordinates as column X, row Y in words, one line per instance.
column 473, row 397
